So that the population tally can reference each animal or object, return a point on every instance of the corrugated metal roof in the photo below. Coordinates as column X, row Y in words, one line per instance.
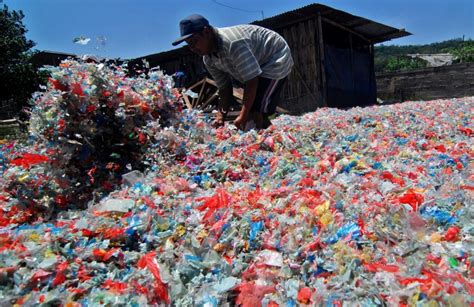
column 168, row 55
column 372, row 31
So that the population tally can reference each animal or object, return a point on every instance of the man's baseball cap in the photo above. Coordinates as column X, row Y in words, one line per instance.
column 190, row 25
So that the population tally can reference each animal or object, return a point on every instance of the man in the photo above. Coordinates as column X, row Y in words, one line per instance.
column 258, row 58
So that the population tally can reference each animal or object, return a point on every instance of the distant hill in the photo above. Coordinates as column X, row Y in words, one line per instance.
column 393, row 58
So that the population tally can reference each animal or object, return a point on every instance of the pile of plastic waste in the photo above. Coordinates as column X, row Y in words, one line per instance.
column 86, row 129
column 366, row 206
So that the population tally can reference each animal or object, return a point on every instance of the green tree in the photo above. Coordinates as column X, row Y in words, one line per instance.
column 463, row 52
column 404, row 63
column 393, row 58
column 18, row 76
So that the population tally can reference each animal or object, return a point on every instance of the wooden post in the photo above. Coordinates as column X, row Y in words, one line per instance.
column 322, row 61
column 373, row 79
column 352, row 63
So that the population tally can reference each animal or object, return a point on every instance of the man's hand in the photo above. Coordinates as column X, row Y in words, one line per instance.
column 240, row 121
column 250, row 91
column 219, row 120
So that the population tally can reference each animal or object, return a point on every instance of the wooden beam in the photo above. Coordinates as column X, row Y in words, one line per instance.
column 186, row 101
column 197, row 84
column 8, row 121
column 345, row 29
column 199, row 99
column 204, row 99
column 322, row 59
column 304, row 82
column 209, row 100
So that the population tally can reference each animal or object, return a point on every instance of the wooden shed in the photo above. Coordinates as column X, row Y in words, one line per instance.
column 52, row 58
column 333, row 53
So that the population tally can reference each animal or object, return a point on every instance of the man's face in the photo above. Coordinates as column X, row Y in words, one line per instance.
column 200, row 42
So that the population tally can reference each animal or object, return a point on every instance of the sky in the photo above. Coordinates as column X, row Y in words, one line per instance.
column 132, row 28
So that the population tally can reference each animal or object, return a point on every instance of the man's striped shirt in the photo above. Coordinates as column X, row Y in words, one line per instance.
column 247, row 51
